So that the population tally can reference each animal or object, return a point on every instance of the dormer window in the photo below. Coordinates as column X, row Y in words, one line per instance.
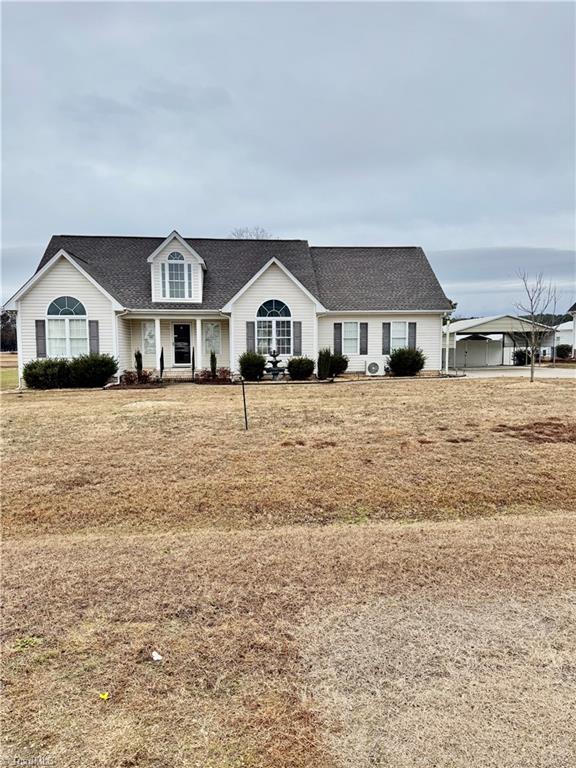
column 176, row 277
column 177, row 271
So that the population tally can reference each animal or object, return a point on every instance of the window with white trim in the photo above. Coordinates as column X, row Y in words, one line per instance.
column 398, row 335
column 212, row 337
column 176, row 277
column 273, row 328
column 66, row 328
column 350, row 338
column 149, row 337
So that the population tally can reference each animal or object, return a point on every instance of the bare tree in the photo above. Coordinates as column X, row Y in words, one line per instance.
column 537, row 298
column 251, row 233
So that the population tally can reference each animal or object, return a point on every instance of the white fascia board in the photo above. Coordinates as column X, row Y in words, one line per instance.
column 61, row 254
column 228, row 306
column 385, row 311
column 175, row 236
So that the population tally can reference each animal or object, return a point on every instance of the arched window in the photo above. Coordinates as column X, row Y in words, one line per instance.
column 273, row 308
column 66, row 305
column 176, row 277
column 66, row 328
column 273, row 328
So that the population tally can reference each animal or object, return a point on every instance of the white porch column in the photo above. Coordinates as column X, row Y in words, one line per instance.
column 157, row 341
column 447, row 355
column 198, row 355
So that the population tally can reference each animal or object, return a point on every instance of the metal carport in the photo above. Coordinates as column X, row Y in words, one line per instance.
column 514, row 333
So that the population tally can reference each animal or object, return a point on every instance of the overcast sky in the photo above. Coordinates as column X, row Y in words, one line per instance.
column 449, row 126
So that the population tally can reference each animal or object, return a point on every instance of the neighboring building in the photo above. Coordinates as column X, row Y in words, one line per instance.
column 564, row 335
column 177, row 295
column 483, row 342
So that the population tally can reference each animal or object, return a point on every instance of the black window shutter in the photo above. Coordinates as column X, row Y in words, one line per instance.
column 250, row 336
column 363, row 338
column 40, row 338
column 411, row 335
column 93, row 336
column 337, row 338
column 297, row 332
column 385, row 338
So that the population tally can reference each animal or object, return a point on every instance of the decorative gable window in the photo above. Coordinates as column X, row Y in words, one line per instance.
column 66, row 328
column 275, row 331
column 176, row 277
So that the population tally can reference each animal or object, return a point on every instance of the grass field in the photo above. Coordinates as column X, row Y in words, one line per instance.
column 8, row 370
column 376, row 574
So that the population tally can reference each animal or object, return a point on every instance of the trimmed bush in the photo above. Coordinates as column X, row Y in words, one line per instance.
column 522, row 357
column 406, row 362
column 138, row 361
column 252, row 366
column 49, row 373
column 58, row 373
column 338, row 364
column 92, row 370
column 300, row 368
column 563, row 351
column 324, row 359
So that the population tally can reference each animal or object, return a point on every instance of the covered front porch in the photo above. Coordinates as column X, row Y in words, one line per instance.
column 183, row 341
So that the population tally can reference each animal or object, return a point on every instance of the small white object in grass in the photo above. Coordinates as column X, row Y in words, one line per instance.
column 156, row 656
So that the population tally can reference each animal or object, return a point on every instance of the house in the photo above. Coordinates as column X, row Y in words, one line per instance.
column 185, row 296
column 488, row 341
column 564, row 335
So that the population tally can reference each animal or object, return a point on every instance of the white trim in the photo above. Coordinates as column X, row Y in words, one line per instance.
column 19, row 344
column 357, row 324
column 198, row 358
column 406, row 322
column 61, row 254
column 231, row 330
column 175, row 236
column 205, row 314
column 66, row 318
column 157, row 339
column 330, row 312
column 228, row 306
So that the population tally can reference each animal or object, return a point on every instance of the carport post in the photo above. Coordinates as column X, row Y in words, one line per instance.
column 447, row 355
column 503, row 335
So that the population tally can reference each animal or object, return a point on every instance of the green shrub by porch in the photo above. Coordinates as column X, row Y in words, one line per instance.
column 50, row 373
column 92, row 370
column 338, row 364
column 406, row 362
column 324, row 359
column 300, row 368
column 252, row 366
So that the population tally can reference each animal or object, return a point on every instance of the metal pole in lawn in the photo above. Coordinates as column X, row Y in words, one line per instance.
column 244, row 402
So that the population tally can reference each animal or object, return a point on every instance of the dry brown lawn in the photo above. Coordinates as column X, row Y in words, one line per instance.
column 179, row 458
column 378, row 574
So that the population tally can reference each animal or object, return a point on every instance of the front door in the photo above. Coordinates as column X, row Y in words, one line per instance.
column 182, row 344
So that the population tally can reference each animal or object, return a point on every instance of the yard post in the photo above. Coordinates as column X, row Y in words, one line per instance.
column 244, row 402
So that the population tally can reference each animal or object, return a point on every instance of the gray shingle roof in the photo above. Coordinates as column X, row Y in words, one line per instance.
column 342, row 278
column 376, row 278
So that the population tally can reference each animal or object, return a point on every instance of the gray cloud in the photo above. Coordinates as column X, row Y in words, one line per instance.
column 449, row 125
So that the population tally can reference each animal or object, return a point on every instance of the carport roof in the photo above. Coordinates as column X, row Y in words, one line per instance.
column 494, row 324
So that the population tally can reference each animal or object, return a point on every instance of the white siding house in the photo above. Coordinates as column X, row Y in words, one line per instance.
column 179, row 299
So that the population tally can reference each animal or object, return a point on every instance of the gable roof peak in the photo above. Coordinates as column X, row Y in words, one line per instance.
column 174, row 235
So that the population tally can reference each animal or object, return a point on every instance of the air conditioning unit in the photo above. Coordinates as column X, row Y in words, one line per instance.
column 377, row 366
